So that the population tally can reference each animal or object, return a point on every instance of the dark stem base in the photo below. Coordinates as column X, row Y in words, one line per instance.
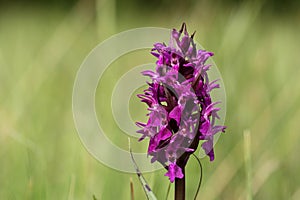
column 180, row 187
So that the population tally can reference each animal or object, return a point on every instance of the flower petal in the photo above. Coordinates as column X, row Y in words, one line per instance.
column 176, row 114
column 174, row 171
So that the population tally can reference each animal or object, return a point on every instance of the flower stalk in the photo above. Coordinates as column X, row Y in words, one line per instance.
column 180, row 187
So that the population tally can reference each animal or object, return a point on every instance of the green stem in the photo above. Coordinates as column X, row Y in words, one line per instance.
column 201, row 175
column 180, row 187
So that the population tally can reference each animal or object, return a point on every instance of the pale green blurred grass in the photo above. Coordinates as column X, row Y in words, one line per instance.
column 41, row 156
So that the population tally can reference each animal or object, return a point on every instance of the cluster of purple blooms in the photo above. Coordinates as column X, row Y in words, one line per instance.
column 181, row 111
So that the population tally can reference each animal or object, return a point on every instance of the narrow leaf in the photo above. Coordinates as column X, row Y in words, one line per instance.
column 149, row 193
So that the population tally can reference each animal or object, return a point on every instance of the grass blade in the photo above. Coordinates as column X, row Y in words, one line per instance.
column 149, row 193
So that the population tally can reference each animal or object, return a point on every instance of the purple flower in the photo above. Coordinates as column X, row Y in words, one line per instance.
column 174, row 171
column 181, row 111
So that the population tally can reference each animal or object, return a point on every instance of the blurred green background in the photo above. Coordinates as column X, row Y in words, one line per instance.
column 43, row 43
